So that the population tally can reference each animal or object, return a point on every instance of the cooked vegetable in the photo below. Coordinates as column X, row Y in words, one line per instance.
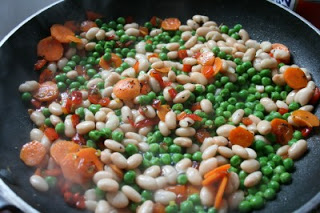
column 33, row 153
column 60, row 149
column 50, row 49
column 241, row 136
column 171, row 24
column 282, row 129
column 48, row 91
column 220, row 192
column 61, row 33
column 127, row 89
column 305, row 118
column 295, row 78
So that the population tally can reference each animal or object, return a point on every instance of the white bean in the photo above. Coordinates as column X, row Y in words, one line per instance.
column 225, row 151
column 165, row 131
column 264, row 127
column 239, row 150
column 103, row 207
column 185, row 131
column 183, row 165
column 101, row 175
column 153, row 171
column 108, row 185
column 119, row 160
column 237, row 116
column 253, row 179
column 29, row 86
column 207, row 196
column 164, row 197
column 114, row 145
column 36, row 134
column 283, row 150
column 146, row 182
column 171, row 120
column 250, row 166
column 90, row 194
column 134, row 161
column 91, row 205
column 224, row 130
column 39, row 183
column 194, row 176
column 210, row 152
column 146, row 207
column 183, row 141
column 181, row 97
column 85, row 127
column 206, row 106
column 131, row 193
column 268, row 104
column 170, row 173
column 297, row 149
column 198, row 78
column 117, row 199
column 207, row 165
column 303, row 96
column 251, row 153
column 235, row 199
column 191, row 42
column 38, row 118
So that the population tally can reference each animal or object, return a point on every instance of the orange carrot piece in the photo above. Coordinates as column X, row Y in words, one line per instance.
column 118, row 171
column 40, row 64
column 72, row 25
column 246, row 121
column 279, row 46
column 60, row 33
column 136, row 67
column 127, row 89
column 217, row 66
column 86, row 25
column 305, row 118
column 241, row 136
column 282, row 129
column 116, row 60
column 50, row 49
column 72, row 38
column 191, row 189
column 162, row 111
column 214, row 178
column 163, row 69
column 207, row 71
column 46, row 75
column 295, row 78
column 32, row 153
column 223, row 168
column 104, row 64
column 51, row 134
column 60, row 149
column 48, row 91
column 171, row 24
column 178, row 189
column 220, row 192
column 158, row 208
column 143, row 31
column 81, row 166
column 206, row 59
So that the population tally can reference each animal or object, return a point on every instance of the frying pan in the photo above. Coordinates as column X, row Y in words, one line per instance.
column 263, row 20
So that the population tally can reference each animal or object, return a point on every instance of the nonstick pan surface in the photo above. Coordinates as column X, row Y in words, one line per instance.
column 263, row 20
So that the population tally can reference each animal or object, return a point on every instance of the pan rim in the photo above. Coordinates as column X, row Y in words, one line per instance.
column 21, row 204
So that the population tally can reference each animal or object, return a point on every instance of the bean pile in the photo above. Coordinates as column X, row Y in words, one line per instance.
column 164, row 117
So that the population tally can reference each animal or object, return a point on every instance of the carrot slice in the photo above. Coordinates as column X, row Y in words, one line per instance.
column 81, row 166
column 241, row 136
column 33, row 153
column 48, row 91
column 46, row 75
column 61, row 32
column 50, row 49
column 86, row 25
column 305, row 118
column 207, row 71
column 158, row 208
column 282, row 129
column 72, row 38
column 162, row 111
column 104, row 64
column 143, row 31
column 279, row 46
column 127, row 89
column 206, row 58
column 60, row 149
column 217, row 66
column 118, row 171
column 214, row 178
column 223, row 168
column 295, row 78
column 171, row 24
column 219, row 196
column 72, row 25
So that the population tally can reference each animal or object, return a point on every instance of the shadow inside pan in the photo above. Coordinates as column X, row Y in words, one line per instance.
column 263, row 21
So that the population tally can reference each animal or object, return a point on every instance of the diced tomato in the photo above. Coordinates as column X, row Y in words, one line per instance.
column 79, row 139
column 40, row 63
column 75, row 119
column 66, row 108
column 306, row 131
column 156, row 55
column 156, row 104
column 94, row 98
column 51, row 134
column 46, row 75
column 147, row 122
column 187, row 68
column 143, row 31
column 155, row 21
column 111, row 37
column 196, row 55
column 182, row 54
column 246, row 121
column 202, row 134
column 104, row 101
column 158, row 77
column 162, row 111
column 195, row 106
column 315, row 97
column 183, row 115
column 131, row 121
column 172, row 92
column 35, row 103
column 145, row 88
column 283, row 111
column 76, row 97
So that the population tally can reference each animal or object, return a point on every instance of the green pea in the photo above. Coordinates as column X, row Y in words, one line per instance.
column 61, row 78
column 60, row 128
column 256, row 79
column 94, row 135
column 195, row 199
column 222, row 54
column 26, row 96
column 66, row 69
column 176, row 157
column 269, row 194
column 245, row 206
column 285, row 178
column 274, row 185
column 76, row 58
column 91, row 143
column 224, row 29
column 99, row 193
column 235, row 161
column 106, row 132
column 257, row 202
column 131, row 149
column 80, row 111
column 251, row 71
column 94, row 108
column 279, row 169
column 117, row 136
column 186, row 207
column 46, row 112
column 187, row 155
column 219, row 121
column 165, row 159
column 288, row 164
column 144, row 100
column 216, row 51
column 47, row 122
column 277, row 159
column 51, row 180
column 129, row 177
column 146, row 195
column 294, row 106
column 242, row 174
column 182, row 179
column 172, row 208
column 267, row 170
column 91, row 72
column 197, row 156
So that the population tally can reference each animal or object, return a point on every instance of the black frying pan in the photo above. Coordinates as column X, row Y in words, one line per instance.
column 263, row 20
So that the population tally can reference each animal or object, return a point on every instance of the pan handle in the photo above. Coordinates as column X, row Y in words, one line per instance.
column 7, row 207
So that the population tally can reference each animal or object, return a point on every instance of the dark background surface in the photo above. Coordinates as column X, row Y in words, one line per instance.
column 18, row 55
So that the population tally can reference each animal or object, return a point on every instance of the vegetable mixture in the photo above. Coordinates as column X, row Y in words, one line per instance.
column 165, row 117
